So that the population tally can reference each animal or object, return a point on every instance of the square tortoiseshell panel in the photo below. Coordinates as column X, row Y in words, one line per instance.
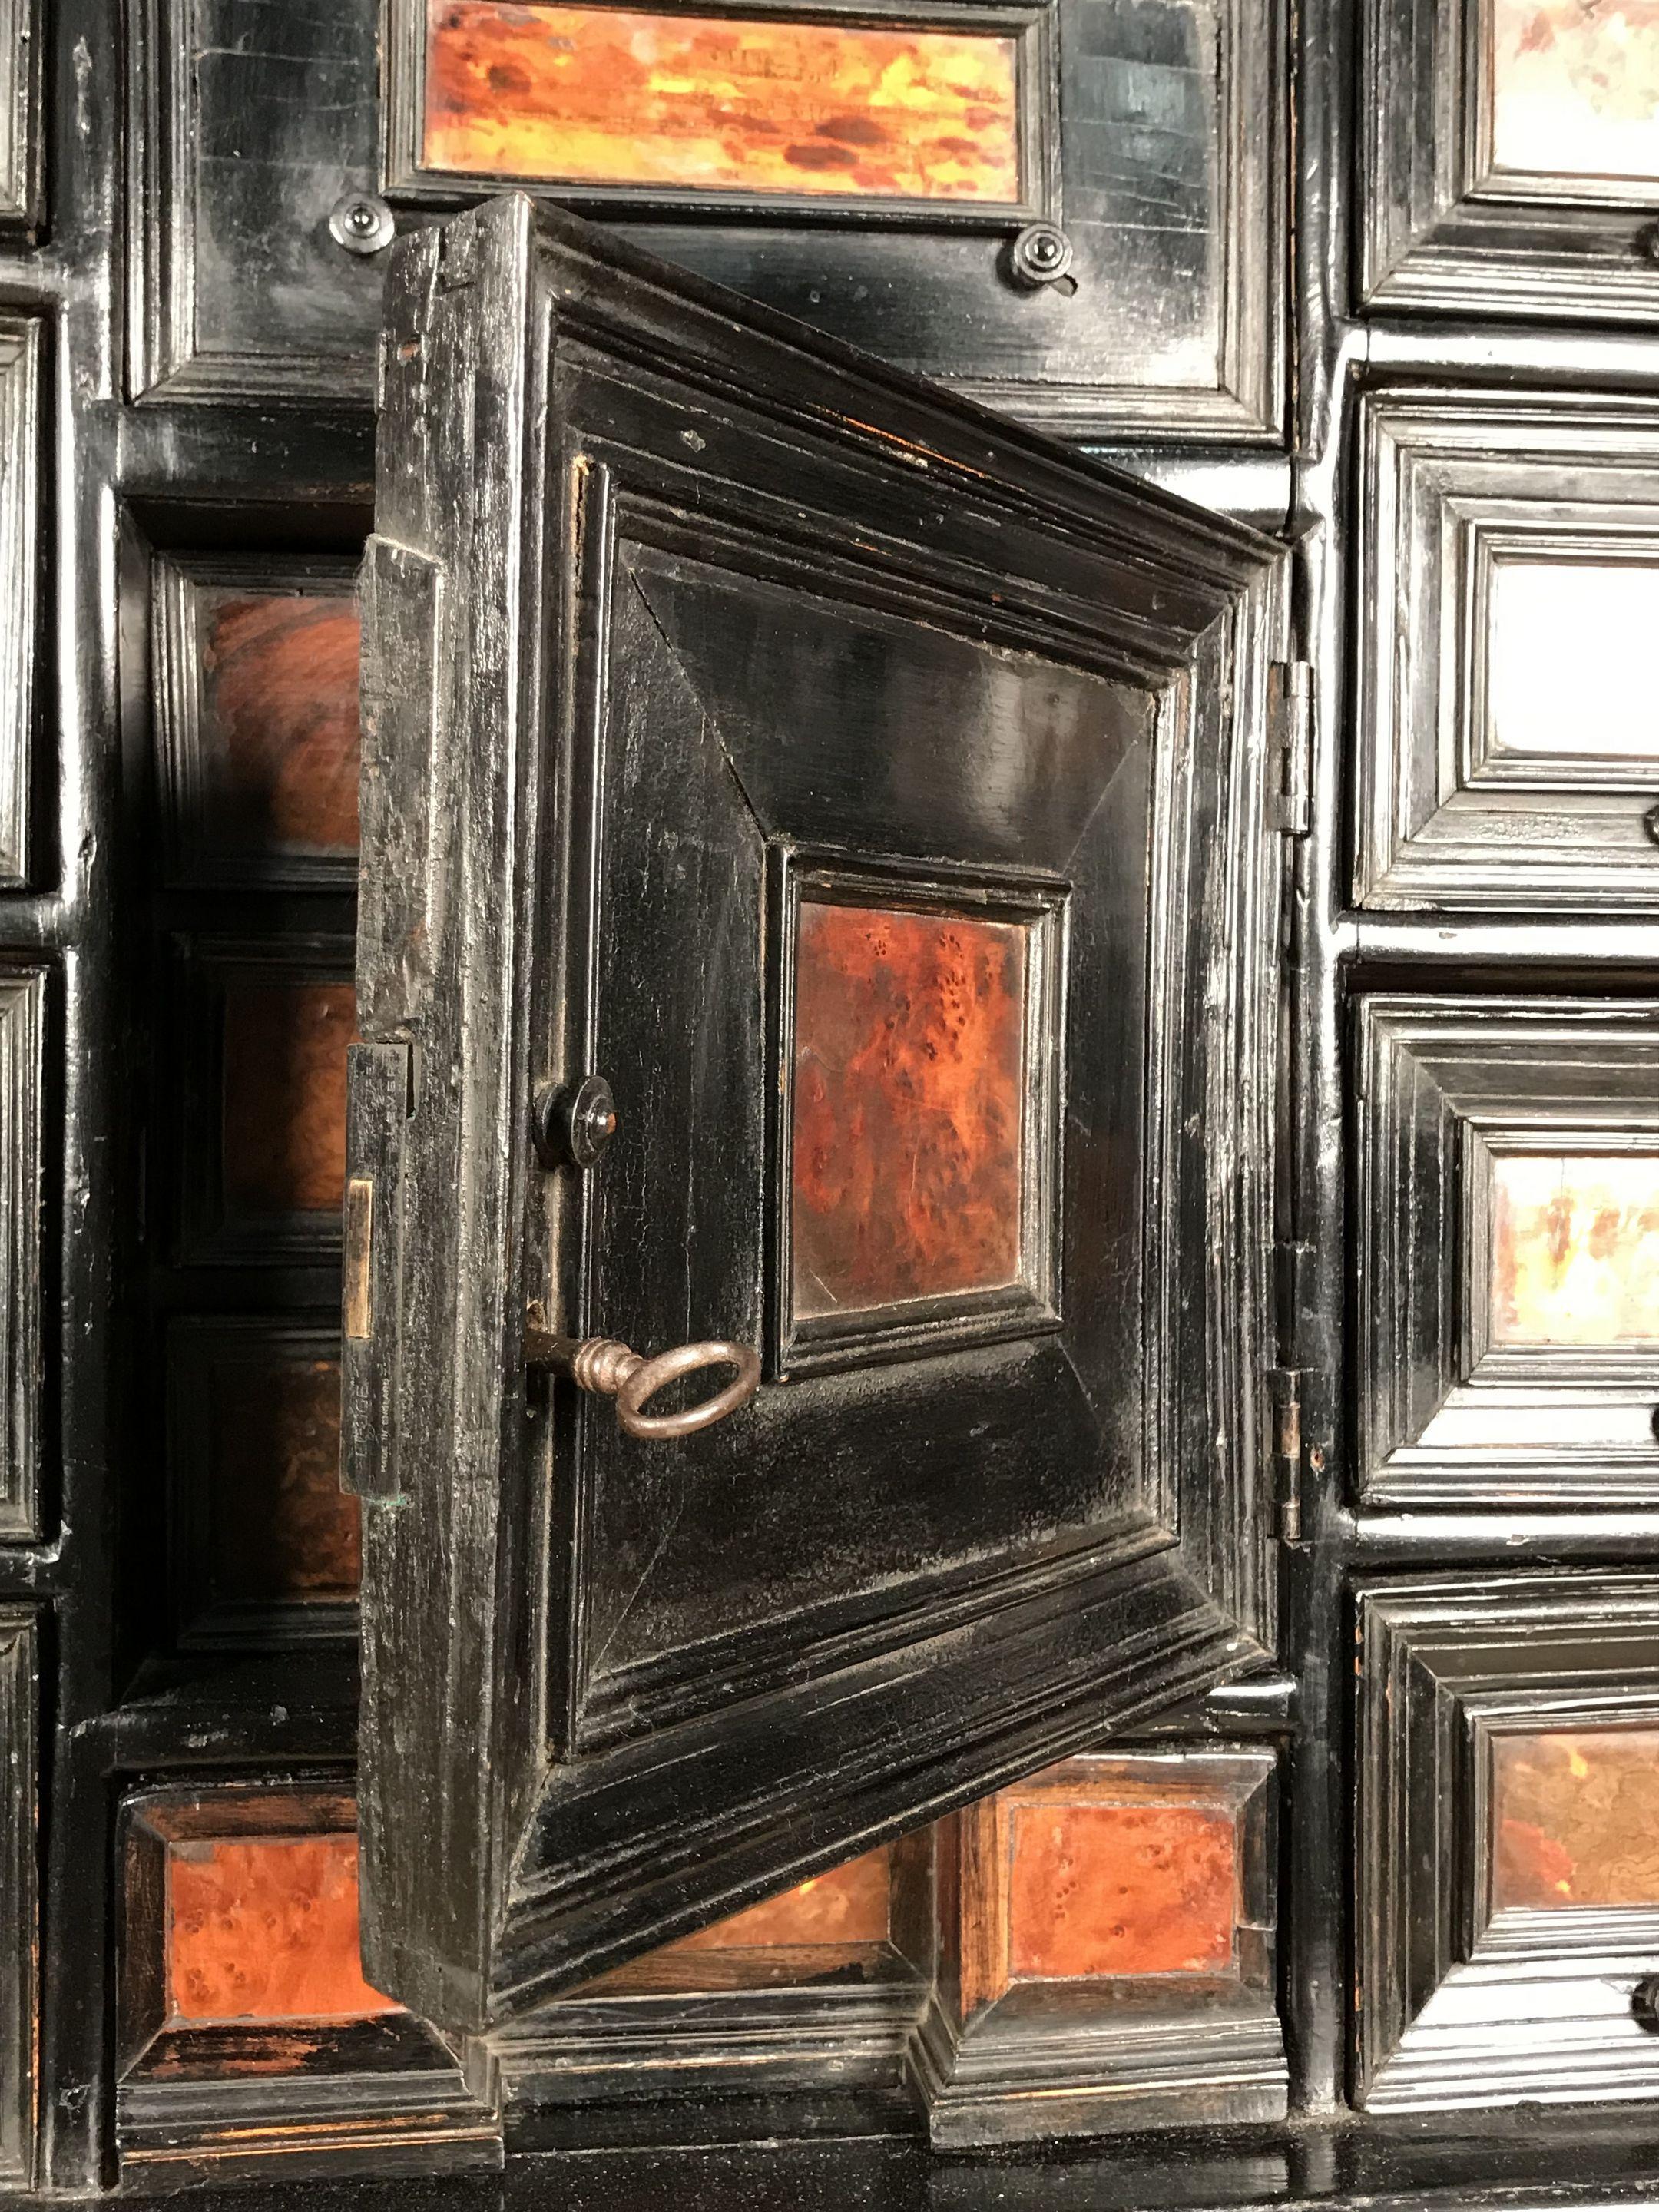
column 921, row 1139
column 1575, row 88
column 766, row 105
column 1136, row 1888
column 257, row 716
column 1575, row 1249
column 1576, row 1818
column 257, row 1914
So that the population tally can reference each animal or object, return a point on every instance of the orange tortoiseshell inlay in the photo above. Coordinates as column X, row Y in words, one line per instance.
column 1575, row 1249
column 285, row 1097
column 909, row 1099
column 264, row 1928
column 1120, row 1889
column 283, row 1528
column 279, row 682
column 1576, row 1818
column 848, row 1904
column 603, row 95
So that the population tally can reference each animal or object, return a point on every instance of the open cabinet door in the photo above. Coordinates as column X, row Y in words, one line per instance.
column 818, row 894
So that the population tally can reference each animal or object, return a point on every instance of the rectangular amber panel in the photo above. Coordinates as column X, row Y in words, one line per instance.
column 1120, row 1889
column 1569, row 668
column 264, row 1928
column 908, row 1106
column 752, row 104
column 284, row 1096
column 1576, row 1818
column 281, row 1528
column 1575, row 1253
column 278, row 719
column 1575, row 87
column 848, row 1904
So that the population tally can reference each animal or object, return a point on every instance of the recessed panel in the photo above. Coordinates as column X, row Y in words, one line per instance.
column 1575, row 88
column 1576, row 1818
column 284, row 1097
column 1155, row 130
column 1568, row 667
column 1120, row 1889
column 1575, row 1249
column 266, row 1543
column 265, row 1927
column 247, row 2032
column 1510, row 544
column 1508, row 1254
column 786, row 105
column 257, row 719
column 908, row 1106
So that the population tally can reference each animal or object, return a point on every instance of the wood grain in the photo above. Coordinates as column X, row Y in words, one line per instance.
column 284, row 1097
column 281, row 1526
column 279, row 719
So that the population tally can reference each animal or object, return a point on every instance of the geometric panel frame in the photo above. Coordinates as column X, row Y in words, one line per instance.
column 340, row 2075
column 1448, row 224
column 1484, row 781
column 18, row 1937
column 21, row 342
column 217, row 830
column 1098, row 2026
column 1467, row 2003
column 1455, row 1409
column 22, row 1033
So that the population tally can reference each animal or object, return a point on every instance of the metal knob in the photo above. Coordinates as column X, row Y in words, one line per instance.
column 611, row 1370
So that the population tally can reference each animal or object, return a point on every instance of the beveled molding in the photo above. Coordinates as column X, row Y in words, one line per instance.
column 1448, row 1416
column 270, row 2097
column 18, row 1936
column 22, row 1037
column 997, row 2058
column 1460, row 2007
column 1452, row 483
column 21, row 344
column 19, row 113
column 1442, row 227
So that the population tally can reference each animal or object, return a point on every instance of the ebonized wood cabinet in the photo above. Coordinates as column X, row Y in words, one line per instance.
column 1372, row 1917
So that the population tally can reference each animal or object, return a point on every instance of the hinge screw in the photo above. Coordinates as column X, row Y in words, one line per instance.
column 360, row 223
column 1650, row 823
column 1644, row 2002
column 573, row 1124
column 1042, row 254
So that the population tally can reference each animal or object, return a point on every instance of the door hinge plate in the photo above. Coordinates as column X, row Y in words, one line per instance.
column 378, row 1096
column 1290, row 747
column 1284, row 1419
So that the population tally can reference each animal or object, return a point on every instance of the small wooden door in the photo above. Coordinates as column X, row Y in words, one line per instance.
column 819, row 893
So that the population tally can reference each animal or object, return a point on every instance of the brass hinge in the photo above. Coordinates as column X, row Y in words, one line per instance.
column 1289, row 746
column 1284, row 1414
